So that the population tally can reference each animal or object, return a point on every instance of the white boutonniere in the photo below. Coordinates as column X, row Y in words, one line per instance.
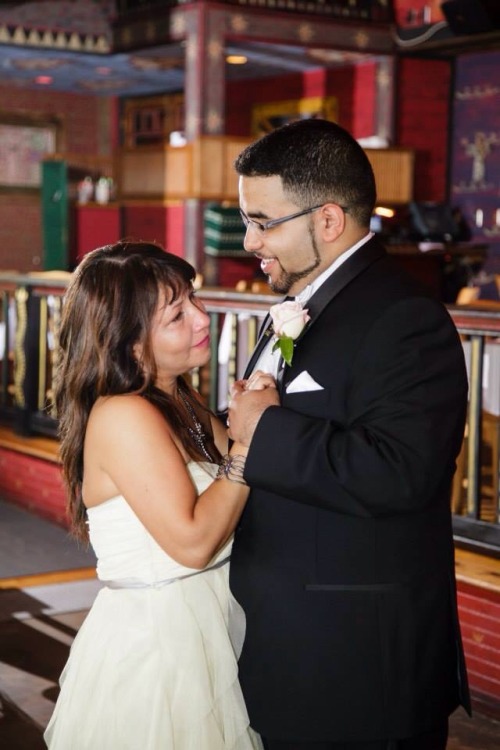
column 289, row 320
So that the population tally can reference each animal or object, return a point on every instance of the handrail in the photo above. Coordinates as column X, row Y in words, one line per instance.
column 57, row 279
column 30, row 310
column 477, row 317
column 249, row 301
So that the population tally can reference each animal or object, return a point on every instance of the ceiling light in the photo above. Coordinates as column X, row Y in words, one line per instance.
column 236, row 59
column 388, row 213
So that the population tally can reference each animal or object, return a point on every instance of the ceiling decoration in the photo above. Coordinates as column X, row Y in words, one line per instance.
column 65, row 44
column 53, row 39
column 86, row 18
column 147, row 72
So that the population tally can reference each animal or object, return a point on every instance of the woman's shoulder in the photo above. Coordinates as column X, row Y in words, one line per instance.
column 121, row 409
column 120, row 402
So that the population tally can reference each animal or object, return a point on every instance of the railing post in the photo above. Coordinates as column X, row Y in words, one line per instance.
column 5, row 317
column 26, row 358
column 474, row 440
column 214, row 365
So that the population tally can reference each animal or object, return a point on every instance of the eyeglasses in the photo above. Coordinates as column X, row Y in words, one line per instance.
column 265, row 225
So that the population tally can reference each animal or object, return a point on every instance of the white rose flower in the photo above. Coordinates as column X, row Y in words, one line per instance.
column 289, row 320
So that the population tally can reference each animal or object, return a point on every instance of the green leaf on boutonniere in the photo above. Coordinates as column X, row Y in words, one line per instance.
column 285, row 345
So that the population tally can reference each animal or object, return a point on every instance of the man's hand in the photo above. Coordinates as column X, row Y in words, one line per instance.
column 249, row 400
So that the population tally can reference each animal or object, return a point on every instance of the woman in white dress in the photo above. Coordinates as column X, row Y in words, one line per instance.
column 154, row 665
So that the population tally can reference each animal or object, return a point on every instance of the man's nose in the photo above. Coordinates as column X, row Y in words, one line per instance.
column 253, row 238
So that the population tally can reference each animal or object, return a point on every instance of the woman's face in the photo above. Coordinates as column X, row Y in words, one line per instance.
column 180, row 338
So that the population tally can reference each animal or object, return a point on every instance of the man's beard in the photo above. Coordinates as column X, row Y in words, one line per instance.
column 286, row 280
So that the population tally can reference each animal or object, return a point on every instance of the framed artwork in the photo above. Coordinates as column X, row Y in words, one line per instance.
column 475, row 147
column 23, row 145
column 267, row 117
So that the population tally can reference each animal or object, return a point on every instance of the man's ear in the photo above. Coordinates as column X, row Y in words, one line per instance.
column 333, row 221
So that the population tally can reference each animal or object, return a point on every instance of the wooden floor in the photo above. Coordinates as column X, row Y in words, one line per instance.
column 480, row 570
column 39, row 447
column 35, row 645
column 19, row 730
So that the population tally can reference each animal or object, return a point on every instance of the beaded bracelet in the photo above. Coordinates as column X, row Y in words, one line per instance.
column 232, row 468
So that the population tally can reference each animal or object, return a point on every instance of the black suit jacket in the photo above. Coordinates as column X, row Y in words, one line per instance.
column 343, row 560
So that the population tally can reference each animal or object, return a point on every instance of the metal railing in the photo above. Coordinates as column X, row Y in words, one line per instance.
column 30, row 309
column 476, row 517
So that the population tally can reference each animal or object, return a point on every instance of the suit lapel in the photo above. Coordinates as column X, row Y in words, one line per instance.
column 356, row 264
column 367, row 254
column 264, row 333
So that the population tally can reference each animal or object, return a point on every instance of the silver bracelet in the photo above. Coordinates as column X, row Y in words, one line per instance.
column 232, row 468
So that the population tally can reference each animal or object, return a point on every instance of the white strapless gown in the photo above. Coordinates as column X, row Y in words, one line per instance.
column 153, row 666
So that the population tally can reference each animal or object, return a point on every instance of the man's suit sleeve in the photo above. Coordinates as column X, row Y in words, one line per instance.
column 396, row 449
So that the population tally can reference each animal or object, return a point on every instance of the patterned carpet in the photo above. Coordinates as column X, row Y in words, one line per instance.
column 30, row 545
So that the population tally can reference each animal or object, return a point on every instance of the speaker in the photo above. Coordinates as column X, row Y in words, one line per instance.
column 472, row 16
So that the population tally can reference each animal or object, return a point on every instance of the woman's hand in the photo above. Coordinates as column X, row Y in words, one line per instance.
column 258, row 381
column 249, row 400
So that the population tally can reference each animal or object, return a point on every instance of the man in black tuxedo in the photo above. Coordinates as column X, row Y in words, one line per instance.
column 343, row 560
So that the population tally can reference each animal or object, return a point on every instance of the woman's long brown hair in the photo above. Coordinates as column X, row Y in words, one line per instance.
column 109, row 307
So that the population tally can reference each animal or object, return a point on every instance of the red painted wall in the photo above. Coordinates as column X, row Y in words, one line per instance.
column 423, row 122
column 34, row 484
column 241, row 97
column 96, row 226
column 145, row 223
column 175, row 229
column 20, row 232
column 364, row 101
column 232, row 270
column 353, row 87
column 162, row 224
column 479, row 610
